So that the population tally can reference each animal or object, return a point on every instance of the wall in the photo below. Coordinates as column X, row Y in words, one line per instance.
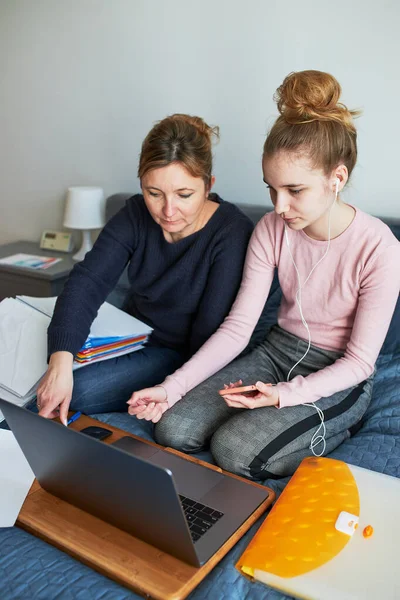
column 83, row 81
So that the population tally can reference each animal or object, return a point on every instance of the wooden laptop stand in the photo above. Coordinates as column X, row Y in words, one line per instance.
column 113, row 552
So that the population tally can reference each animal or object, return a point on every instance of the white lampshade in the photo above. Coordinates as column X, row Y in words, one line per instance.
column 84, row 208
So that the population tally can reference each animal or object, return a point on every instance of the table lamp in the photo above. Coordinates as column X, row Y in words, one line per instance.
column 84, row 209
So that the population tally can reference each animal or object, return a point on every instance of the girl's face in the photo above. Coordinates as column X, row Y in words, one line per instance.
column 174, row 198
column 301, row 194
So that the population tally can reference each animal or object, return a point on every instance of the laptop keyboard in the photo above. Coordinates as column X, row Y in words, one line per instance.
column 199, row 517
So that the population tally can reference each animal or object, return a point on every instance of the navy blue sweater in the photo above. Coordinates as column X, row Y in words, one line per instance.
column 184, row 290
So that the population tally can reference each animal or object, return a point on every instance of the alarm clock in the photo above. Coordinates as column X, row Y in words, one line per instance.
column 57, row 240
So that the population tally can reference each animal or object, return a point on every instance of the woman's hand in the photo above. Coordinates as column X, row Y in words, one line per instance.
column 55, row 390
column 268, row 395
column 149, row 404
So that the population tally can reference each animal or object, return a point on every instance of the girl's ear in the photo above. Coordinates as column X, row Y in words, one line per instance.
column 340, row 175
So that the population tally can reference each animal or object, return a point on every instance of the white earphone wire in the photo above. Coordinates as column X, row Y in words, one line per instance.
column 316, row 438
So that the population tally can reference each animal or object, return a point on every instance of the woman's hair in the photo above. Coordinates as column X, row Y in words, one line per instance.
column 313, row 122
column 183, row 139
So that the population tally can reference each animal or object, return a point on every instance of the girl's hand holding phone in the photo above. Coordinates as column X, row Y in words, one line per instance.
column 250, row 396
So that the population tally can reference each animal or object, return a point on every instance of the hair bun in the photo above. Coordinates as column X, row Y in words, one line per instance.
column 312, row 96
column 199, row 124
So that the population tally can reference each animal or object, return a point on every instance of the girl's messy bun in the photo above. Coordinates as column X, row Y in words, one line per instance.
column 313, row 122
column 312, row 96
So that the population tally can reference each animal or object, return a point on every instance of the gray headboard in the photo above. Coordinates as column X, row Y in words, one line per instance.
column 116, row 201
column 253, row 211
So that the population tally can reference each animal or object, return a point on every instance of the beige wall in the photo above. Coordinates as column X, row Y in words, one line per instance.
column 82, row 82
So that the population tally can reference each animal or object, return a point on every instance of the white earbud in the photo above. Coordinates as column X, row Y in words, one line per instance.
column 337, row 185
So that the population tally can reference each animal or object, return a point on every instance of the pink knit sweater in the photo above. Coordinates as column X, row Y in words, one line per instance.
column 347, row 302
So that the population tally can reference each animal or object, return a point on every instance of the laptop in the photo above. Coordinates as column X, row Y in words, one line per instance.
column 180, row 507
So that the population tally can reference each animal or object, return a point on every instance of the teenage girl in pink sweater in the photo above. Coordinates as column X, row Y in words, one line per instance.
column 339, row 272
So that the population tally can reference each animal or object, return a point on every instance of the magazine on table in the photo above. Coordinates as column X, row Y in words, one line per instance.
column 30, row 261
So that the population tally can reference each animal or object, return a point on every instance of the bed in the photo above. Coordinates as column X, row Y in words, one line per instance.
column 31, row 569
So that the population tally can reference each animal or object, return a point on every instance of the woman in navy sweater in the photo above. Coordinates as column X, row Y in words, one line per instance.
column 185, row 250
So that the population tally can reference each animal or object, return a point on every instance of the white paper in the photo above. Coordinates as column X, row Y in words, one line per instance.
column 110, row 321
column 16, row 478
column 23, row 346
column 114, row 322
column 17, row 400
column 23, row 341
column 44, row 305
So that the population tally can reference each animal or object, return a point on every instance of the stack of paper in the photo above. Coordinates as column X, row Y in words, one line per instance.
column 23, row 350
column 16, row 477
column 101, row 348
column 113, row 332
column 23, row 342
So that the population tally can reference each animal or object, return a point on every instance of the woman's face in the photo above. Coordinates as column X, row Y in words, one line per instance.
column 174, row 198
column 301, row 194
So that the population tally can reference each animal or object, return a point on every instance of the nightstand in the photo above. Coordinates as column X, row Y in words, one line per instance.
column 33, row 282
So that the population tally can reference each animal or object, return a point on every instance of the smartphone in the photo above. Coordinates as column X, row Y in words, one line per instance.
column 100, row 433
column 245, row 390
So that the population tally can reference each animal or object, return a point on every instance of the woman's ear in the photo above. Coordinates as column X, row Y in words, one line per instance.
column 212, row 181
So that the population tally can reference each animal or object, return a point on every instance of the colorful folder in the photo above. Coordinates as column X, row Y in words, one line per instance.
column 333, row 534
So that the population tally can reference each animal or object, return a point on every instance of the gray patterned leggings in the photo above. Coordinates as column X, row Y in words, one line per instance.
column 264, row 442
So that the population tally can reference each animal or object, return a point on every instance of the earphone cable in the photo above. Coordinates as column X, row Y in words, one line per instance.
column 316, row 438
